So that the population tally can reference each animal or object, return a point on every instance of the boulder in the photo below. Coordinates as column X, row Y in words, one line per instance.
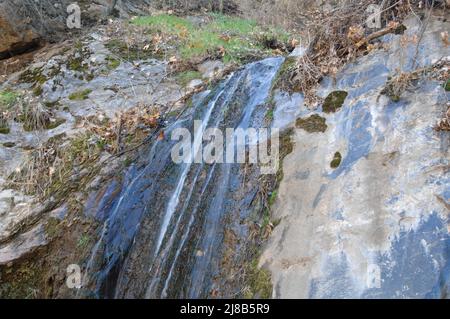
column 13, row 42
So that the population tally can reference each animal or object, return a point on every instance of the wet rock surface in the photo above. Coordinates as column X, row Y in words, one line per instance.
column 374, row 223
column 167, row 227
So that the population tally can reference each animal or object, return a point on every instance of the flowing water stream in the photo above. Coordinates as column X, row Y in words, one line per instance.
column 164, row 223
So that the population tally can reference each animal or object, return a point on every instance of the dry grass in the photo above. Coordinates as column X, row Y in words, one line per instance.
column 334, row 36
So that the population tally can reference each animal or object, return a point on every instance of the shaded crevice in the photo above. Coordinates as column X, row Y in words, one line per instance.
column 21, row 48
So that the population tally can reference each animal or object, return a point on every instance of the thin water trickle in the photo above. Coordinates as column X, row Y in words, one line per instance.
column 166, row 212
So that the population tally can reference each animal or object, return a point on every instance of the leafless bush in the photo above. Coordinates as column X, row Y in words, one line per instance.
column 335, row 35
column 183, row 6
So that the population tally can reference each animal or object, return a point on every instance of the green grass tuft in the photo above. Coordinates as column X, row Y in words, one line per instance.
column 239, row 38
column 80, row 95
column 184, row 78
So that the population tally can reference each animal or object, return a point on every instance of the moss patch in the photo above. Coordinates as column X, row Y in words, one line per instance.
column 37, row 91
column 52, row 105
column 80, row 95
column 54, row 124
column 7, row 99
column 259, row 280
column 447, row 85
column 27, row 285
column 76, row 64
column 52, row 227
column 4, row 129
column 282, row 78
column 34, row 76
column 337, row 159
column 314, row 123
column 112, row 63
column 334, row 101
column 9, row 144
column 184, row 78
column 128, row 52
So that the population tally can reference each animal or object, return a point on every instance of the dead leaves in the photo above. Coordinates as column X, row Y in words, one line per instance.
column 444, row 124
column 445, row 38
column 128, row 126
column 355, row 33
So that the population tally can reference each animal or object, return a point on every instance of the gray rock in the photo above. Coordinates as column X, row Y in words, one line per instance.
column 211, row 68
column 377, row 225
column 23, row 244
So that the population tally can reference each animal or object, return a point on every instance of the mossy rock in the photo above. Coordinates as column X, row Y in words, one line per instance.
column 281, row 80
column 4, row 130
column 259, row 282
column 22, row 282
column 9, row 144
column 129, row 52
column 336, row 162
column 34, row 76
column 184, row 78
column 37, row 91
column 313, row 124
column 52, row 227
column 77, row 64
column 334, row 101
column 80, row 95
column 54, row 124
column 52, row 104
column 112, row 63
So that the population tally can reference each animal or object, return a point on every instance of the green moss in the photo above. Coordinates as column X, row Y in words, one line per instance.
column 129, row 52
column 337, row 159
column 4, row 129
column 9, row 144
column 334, row 101
column 34, row 76
column 395, row 98
column 184, row 78
column 52, row 105
column 270, row 114
column 83, row 241
column 8, row 99
column 128, row 161
column 259, row 282
column 54, row 124
column 22, row 282
column 37, row 91
column 281, row 79
column 80, row 95
column 52, row 228
column 112, row 63
column 447, row 85
column 312, row 124
column 273, row 197
column 77, row 64
column 89, row 77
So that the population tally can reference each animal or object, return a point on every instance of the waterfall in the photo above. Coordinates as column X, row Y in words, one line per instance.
column 163, row 235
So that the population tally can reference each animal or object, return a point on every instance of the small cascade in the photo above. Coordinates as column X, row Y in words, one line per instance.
column 163, row 232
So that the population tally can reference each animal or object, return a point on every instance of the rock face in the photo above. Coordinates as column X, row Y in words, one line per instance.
column 372, row 222
column 23, row 23
column 13, row 42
